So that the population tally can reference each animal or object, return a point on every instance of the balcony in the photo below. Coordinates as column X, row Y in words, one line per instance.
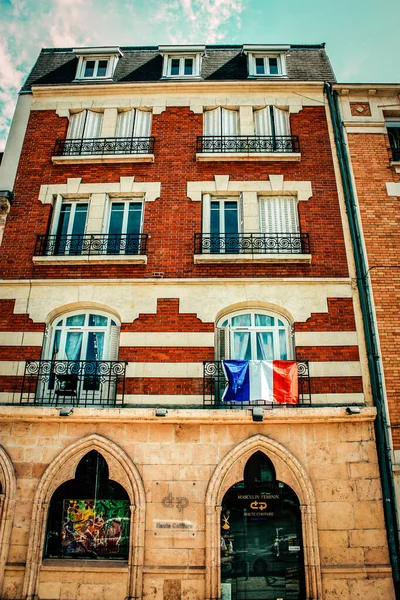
column 254, row 148
column 94, row 248
column 251, row 247
column 100, row 150
column 214, row 384
column 75, row 383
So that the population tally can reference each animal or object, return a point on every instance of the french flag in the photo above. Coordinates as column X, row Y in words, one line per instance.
column 267, row 380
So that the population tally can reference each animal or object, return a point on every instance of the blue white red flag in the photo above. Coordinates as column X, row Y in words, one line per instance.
column 267, row 380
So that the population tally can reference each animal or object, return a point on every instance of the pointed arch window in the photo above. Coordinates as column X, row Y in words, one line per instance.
column 89, row 515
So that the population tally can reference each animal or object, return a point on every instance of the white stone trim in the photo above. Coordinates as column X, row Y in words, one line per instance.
column 248, row 156
column 162, row 399
column 326, row 338
column 199, row 259
column 301, row 189
column 335, row 369
column 342, row 399
column 103, row 159
column 393, row 188
column 139, row 259
column 16, row 136
column 126, row 187
column 19, row 338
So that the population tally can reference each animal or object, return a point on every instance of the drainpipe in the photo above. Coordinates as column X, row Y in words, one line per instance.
column 381, row 422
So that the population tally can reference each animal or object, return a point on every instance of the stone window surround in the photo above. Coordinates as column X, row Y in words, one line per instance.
column 99, row 194
column 199, row 191
column 111, row 54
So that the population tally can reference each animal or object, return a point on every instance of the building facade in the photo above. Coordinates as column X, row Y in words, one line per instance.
column 173, row 208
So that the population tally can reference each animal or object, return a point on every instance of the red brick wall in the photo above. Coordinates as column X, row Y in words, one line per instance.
column 380, row 217
column 173, row 219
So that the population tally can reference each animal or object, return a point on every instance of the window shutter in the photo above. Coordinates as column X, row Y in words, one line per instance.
column 212, row 122
column 240, row 214
column 223, row 343
column 281, row 120
column 142, row 124
column 56, row 214
column 230, row 121
column 76, row 125
column 125, row 124
column 279, row 215
column 113, row 346
column 93, row 125
column 262, row 121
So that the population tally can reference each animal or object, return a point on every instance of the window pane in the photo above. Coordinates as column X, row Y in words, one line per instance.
column 225, row 323
column 56, row 344
column 76, row 321
column 78, row 227
column 241, row 345
column 265, row 346
column 241, row 321
column 273, row 66
column 260, row 70
column 188, row 66
column 264, row 321
column 280, row 323
column 134, row 217
column 116, row 218
column 89, row 68
column 175, row 66
column 214, row 218
column 394, row 136
column 95, row 346
column 64, row 219
column 102, row 68
column 97, row 321
column 73, row 345
column 283, row 345
column 231, row 217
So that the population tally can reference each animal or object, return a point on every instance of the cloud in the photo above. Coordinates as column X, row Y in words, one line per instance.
column 27, row 26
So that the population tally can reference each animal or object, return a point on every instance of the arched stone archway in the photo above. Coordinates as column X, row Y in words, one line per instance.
column 288, row 470
column 7, row 503
column 121, row 470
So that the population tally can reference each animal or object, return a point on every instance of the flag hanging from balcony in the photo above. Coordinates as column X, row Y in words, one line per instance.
column 267, row 380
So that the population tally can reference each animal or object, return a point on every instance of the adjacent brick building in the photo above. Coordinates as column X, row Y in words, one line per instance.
column 172, row 208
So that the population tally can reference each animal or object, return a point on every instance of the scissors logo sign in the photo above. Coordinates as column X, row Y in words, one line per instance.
column 258, row 505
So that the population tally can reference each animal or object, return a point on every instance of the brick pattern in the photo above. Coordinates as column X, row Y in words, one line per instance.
column 340, row 317
column 360, row 109
column 168, row 318
column 381, row 223
column 173, row 219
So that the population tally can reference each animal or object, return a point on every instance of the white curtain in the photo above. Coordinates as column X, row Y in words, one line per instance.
column 230, row 122
column 241, row 345
column 221, row 121
column 262, row 121
column 279, row 215
column 281, row 121
column 76, row 124
column 125, row 123
column 142, row 124
column 212, row 122
column 93, row 125
column 73, row 345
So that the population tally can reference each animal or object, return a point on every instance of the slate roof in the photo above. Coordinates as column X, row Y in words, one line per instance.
column 56, row 66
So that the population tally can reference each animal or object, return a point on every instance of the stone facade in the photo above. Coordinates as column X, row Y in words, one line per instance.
column 167, row 439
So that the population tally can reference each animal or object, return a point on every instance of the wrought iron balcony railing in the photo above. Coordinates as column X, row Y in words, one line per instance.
column 104, row 146
column 243, row 143
column 251, row 243
column 73, row 382
column 214, row 384
column 91, row 244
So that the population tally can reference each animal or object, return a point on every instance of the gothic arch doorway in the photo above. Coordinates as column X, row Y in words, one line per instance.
column 261, row 537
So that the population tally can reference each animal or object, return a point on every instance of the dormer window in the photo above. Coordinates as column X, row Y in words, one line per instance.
column 96, row 63
column 266, row 61
column 182, row 61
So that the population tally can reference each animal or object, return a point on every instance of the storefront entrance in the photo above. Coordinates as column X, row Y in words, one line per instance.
column 261, row 538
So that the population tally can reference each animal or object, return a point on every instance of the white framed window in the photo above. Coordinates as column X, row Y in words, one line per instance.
column 85, row 124
column 133, row 123
column 393, row 129
column 96, row 63
column 181, row 62
column 83, row 335
column 271, row 121
column 124, row 226
column 221, row 122
column 254, row 335
column 278, row 214
column 266, row 65
column 68, row 226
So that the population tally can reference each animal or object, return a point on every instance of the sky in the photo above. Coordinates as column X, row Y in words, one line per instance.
column 361, row 35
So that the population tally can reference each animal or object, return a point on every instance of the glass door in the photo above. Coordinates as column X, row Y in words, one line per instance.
column 71, row 228
column 124, row 228
column 224, row 226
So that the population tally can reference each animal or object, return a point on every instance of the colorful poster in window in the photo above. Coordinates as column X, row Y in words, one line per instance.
column 95, row 528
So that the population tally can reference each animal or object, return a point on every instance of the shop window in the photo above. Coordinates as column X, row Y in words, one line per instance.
column 261, row 537
column 89, row 516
